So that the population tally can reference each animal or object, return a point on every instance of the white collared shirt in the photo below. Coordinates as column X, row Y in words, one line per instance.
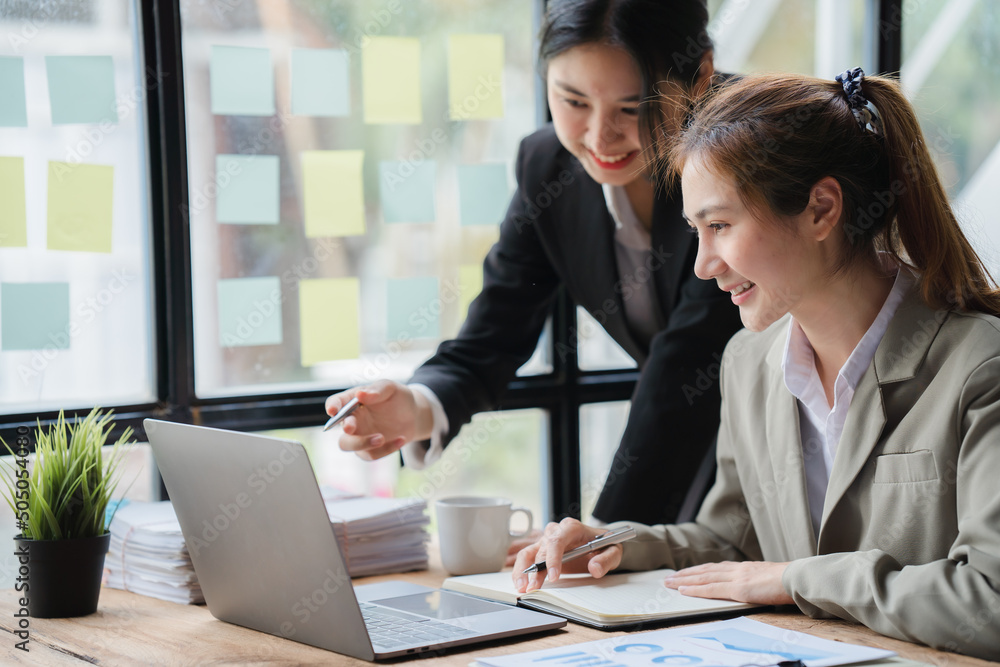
column 820, row 425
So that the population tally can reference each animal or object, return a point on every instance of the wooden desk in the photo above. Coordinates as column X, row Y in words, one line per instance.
column 130, row 629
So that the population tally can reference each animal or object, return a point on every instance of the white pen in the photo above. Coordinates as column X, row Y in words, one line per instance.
column 616, row 536
column 343, row 413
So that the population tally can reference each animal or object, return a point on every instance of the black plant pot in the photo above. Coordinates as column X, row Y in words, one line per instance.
column 64, row 576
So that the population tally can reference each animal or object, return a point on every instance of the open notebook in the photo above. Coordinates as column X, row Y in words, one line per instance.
column 613, row 601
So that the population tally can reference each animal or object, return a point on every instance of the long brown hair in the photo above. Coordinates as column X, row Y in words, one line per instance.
column 777, row 135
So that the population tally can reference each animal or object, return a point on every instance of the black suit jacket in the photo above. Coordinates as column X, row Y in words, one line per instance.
column 558, row 232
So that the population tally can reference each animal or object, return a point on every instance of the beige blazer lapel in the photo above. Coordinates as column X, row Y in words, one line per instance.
column 898, row 356
column 784, row 446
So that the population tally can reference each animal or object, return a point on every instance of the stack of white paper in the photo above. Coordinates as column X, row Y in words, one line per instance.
column 380, row 535
column 148, row 554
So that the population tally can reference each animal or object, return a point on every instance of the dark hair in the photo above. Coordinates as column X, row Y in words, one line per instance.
column 777, row 135
column 665, row 39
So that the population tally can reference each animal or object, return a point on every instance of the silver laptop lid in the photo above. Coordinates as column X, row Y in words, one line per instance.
column 265, row 553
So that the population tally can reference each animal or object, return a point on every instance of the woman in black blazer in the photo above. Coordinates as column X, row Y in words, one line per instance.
column 586, row 216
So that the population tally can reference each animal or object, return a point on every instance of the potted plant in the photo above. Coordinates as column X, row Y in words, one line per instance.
column 60, row 509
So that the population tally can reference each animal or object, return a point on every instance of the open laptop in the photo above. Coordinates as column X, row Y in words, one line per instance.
column 267, row 558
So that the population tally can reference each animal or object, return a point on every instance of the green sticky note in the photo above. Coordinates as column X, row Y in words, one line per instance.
column 406, row 191
column 333, row 193
column 13, row 109
column 249, row 311
column 79, row 206
column 482, row 193
column 320, row 82
column 470, row 284
column 390, row 80
column 475, row 76
column 34, row 316
column 330, row 319
column 81, row 89
column 413, row 307
column 242, row 81
column 13, row 219
column 249, row 189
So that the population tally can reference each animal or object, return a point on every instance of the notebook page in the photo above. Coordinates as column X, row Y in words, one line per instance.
column 626, row 595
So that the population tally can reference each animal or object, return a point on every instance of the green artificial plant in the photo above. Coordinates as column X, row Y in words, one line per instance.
column 71, row 481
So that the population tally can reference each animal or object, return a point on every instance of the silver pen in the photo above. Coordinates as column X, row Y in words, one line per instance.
column 343, row 413
column 616, row 536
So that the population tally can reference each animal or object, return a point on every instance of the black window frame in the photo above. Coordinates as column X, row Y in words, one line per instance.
column 560, row 393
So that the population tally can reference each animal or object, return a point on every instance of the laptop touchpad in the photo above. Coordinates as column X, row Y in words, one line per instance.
column 440, row 604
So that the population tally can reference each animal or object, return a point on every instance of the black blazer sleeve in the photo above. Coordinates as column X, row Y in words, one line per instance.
column 470, row 373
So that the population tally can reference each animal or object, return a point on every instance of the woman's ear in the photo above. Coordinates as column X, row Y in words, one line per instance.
column 706, row 71
column 826, row 203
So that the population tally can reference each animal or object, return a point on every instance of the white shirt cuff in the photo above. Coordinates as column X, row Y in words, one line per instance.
column 417, row 455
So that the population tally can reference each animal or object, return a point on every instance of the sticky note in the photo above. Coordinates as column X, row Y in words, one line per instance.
column 81, row 89
column 249, row 188
column 13, row 220
column 470, row 284
column 406, row 191
column 333, row 193
column 482, row 193
column 413, row 308
column 79, row 207
column 13, row 109
column 475, row 76
column 34, row 316
column 242, row 81
column 330, row 319
column 320, row 82
column 390, row 80
column 249, row 311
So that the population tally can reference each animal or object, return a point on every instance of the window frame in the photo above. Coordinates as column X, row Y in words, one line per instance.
column 561, row 393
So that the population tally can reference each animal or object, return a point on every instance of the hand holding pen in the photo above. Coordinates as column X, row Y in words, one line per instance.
column 556, row 550
column 378, row 419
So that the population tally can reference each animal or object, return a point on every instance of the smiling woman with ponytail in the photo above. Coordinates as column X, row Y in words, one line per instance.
column 860, row 435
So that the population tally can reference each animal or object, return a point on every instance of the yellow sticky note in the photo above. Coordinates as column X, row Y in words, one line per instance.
column 80, row 207
column 13, row 219
column 330, row 319
column 470, row 284
column 475, row 76
column 333, row 193
column 390, row 80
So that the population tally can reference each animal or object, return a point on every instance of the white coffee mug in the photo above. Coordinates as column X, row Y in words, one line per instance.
column 474, row 532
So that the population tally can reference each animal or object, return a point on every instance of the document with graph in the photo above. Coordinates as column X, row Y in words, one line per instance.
column 732, row 643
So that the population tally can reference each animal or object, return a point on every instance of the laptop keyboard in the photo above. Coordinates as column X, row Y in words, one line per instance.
column 390, row 629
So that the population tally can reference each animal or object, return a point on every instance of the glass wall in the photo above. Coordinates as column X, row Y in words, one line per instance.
column 348, row 165
column 498, row 454
column 76, row 313
column 951, row 73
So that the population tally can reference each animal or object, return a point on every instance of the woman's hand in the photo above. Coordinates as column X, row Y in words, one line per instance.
column 391, row 415
column 519, row 543
column 556, row 540
column 754, row 582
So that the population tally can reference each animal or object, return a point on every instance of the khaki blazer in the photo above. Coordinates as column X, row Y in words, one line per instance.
column 909, row 542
